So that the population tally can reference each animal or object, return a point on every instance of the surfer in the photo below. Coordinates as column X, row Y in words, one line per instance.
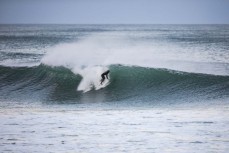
column 103, row 76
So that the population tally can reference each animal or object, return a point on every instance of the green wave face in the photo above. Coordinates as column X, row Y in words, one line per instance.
column 127, row 84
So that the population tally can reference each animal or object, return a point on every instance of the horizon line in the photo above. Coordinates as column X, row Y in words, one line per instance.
column 115, row 23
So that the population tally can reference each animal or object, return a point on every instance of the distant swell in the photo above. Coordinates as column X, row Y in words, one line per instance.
column 58, row 84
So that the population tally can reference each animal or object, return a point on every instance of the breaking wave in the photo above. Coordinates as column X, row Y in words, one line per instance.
column 45, row 83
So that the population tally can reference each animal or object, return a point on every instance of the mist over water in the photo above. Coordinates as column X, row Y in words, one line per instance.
column 117, row 48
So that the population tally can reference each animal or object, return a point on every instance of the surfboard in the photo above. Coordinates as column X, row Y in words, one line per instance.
column 105, row 83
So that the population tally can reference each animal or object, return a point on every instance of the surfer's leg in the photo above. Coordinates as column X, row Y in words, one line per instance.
column 101, row 81
column 103, row 78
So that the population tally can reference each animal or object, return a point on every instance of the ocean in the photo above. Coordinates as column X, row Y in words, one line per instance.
column 168, row 88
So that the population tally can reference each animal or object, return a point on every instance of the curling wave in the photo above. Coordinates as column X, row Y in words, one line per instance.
column 45, row 83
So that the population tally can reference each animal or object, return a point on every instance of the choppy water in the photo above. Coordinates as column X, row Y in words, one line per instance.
column 168, row 89
column 135, row 130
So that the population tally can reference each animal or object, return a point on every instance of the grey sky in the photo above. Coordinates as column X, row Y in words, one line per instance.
column 115, row 11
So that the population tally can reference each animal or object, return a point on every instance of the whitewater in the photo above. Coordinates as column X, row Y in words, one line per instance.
column 168, row 88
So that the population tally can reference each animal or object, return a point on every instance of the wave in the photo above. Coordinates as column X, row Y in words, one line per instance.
column 146, row 70
column 129, row 83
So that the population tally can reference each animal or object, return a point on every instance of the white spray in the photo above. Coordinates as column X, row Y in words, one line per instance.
column 92, row 56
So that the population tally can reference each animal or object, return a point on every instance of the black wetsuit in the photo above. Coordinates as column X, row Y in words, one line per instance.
column 103, row 76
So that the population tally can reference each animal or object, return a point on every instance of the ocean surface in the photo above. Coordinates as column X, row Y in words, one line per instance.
column 168, row 88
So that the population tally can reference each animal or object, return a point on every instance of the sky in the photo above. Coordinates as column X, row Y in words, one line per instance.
column 114, row 11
